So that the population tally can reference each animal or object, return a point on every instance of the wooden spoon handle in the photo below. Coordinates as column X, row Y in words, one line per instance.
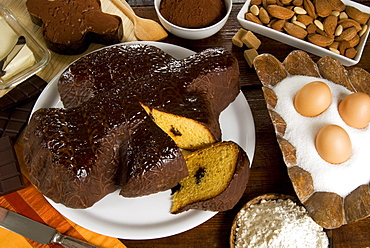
column 125, row 8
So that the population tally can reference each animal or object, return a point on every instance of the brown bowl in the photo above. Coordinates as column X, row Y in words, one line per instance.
column 257, row 200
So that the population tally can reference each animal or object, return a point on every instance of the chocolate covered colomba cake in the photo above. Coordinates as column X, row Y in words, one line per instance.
column 128, row 110
column 69, row 27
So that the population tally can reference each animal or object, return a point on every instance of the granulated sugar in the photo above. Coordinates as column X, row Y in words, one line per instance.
column 278, row 223
column 301, row 131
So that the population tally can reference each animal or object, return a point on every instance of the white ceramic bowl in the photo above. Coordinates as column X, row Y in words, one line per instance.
column 305, row 45
column 193, row 33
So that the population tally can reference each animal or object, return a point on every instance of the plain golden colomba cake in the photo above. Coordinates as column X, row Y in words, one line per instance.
column 217, row 178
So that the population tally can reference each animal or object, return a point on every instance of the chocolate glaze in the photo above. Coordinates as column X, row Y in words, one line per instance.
column 198, row 87
column 77, row 155
column 68, row 27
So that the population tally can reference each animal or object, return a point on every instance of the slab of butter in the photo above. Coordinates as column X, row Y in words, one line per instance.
column 22, row 61
column 8, row 38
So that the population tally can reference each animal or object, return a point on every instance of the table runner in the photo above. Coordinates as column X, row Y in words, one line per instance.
column 31, row 203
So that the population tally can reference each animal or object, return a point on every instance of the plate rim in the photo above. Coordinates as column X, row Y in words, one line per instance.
column 46, row 99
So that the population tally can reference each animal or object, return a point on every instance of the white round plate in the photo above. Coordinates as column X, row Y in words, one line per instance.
column 149, row 217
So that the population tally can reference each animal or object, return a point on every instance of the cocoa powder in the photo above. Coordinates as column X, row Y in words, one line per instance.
column 193, row 13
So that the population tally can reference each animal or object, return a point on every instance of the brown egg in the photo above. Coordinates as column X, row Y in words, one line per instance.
column 355, row 110
column 312, row 99
column 333, row 144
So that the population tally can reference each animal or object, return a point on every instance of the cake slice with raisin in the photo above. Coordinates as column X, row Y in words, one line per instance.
column 218, row 176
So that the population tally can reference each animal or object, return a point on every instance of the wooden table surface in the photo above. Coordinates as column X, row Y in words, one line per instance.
column 268, row 171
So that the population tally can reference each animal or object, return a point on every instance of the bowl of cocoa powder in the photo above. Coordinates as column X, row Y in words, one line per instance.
column 193, row 19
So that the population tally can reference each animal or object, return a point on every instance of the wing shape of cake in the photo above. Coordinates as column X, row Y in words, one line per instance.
column 334, row 193
column 125, row 120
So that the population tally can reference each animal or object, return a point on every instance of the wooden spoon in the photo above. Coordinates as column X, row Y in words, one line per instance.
column 144, row 29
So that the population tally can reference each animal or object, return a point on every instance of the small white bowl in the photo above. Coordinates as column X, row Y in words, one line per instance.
column 193, row 33
column 305, row 45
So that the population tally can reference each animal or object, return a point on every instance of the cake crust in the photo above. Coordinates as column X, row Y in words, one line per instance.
column 90, row 147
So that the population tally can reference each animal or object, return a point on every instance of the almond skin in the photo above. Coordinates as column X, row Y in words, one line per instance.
column 320, row 40
column 337, row 5
column 346, row 23
column 279, row 12
column 330, row 24
column 354, row 42
column 252, row 18
column 347, row 34
column 295, row 30
column 357, row 14
column 278, row 24
column 264, row 16
column 323, row 8
column 350, row 53
column 305, row 19
column 310, row 8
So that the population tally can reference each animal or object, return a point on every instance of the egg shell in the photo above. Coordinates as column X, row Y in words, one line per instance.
column 333, row 144
column 355, row 110
column 313, row 99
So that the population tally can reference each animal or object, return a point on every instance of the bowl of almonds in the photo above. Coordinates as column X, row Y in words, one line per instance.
column 336, row 28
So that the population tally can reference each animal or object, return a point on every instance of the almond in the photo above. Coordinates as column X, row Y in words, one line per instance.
column 357, row 14
column 310, row 8
column 305, row 19
column 311, row 28
column 264, row 16
column 334, row 45
column 337, row 5
column 346, row 23
column 320, row 40
column 363, row 30
column 334, row 50
column 323, row 8
column 330, row 24
column 285, row 2
column 338, row 30
column 299, row 10
column 354, row 42
column 347, row 34
column 254, row 10
column 256, row 2
column 343, row 46
column 278, row 24
column 295, row 30
column 297, row 2
column 279, row 12
column 350, row 53
column 252, row 18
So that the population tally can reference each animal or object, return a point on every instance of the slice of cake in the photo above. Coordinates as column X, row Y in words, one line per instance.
column 218, row 176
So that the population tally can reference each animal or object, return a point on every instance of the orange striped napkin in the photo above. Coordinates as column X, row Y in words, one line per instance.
column 31, row 203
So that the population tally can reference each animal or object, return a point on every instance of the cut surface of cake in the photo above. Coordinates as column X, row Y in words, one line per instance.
column 106, row 136
column 218, row 176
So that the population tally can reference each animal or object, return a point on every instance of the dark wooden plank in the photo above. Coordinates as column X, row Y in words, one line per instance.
column 268, row 173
